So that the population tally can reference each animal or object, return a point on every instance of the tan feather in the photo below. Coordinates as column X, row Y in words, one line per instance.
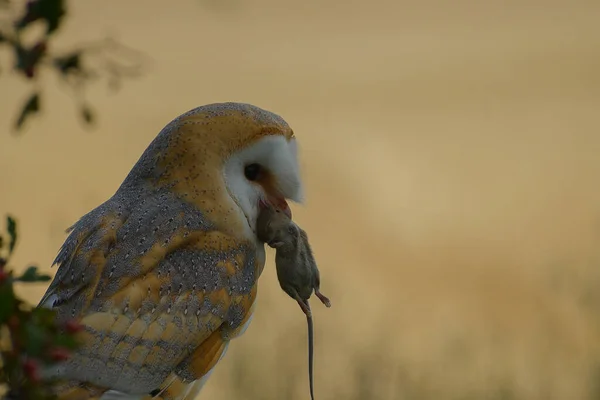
column 162, row 275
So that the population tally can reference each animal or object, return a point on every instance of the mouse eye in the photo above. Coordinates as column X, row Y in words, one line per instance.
column 252, row 171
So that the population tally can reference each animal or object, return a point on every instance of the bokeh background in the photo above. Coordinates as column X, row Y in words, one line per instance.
column 451, row 156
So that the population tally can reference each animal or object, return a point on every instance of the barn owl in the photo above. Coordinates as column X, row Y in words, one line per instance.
column 164, row 273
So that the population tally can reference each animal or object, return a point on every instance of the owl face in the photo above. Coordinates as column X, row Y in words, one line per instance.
column 225, row 159
column 266, row 171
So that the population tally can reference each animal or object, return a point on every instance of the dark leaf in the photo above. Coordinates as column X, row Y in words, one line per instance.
column 31, row 15
column 27, row 59
column 31, row 275
column 51, row 11
column 36, row 338
column 65, row 340
column 46, row 318
column 87, row 115
column 31, row 107
column 7, row 302
column 43, row 315
column 20, row 57
column 12, row 232
column 69, row 63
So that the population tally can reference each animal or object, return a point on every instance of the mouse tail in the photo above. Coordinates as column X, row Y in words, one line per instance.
column 309, row 319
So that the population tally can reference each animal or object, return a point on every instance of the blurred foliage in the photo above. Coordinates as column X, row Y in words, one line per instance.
column 29, row 338
column 105, row 58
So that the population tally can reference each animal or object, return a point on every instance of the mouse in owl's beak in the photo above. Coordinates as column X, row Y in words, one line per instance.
column 296, row 266
column 278, row 203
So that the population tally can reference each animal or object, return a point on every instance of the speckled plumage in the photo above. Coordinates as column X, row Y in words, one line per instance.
column 163, row 274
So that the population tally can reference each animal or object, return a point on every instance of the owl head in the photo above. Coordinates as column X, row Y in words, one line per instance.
column 228, row 159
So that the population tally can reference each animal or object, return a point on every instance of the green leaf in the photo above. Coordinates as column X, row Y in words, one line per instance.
column 43, row 315
column 31, row 275
column 12, row 231
column 36, row 338
column 64, row 340
column 31, row 107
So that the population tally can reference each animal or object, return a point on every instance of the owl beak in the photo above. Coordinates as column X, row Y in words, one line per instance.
column 284, row 207
column 278, row 203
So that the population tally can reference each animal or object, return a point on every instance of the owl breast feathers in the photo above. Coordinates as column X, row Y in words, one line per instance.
column 164, row 274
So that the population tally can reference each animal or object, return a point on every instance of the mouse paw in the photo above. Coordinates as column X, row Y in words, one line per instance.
column 323, row 299
column 305, row 308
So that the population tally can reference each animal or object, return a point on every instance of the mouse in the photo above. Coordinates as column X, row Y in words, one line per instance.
column 297, row 270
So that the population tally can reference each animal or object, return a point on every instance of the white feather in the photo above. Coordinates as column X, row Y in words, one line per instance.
column 49, row 303
column 280, row 157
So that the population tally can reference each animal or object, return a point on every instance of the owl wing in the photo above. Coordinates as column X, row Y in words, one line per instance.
column 160, row 324
column 80, row 261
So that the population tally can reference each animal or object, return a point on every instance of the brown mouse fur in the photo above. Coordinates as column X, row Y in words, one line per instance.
column 296, row 267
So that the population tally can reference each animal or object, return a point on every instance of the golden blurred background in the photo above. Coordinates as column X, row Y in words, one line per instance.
column 451, row 156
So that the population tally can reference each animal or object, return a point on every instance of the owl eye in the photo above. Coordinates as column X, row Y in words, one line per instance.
column 252, row 171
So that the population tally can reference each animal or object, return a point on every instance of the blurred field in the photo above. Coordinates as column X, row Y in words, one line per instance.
column 451, row 156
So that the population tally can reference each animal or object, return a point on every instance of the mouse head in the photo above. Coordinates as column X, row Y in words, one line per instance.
column 272, row 226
